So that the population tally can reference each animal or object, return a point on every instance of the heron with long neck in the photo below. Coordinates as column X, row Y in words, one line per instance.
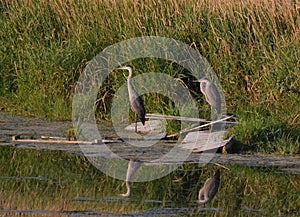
column 136, row 102
column 212, row 96
column 211, row 93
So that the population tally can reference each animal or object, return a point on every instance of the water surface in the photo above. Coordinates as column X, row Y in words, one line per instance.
column 57, row 180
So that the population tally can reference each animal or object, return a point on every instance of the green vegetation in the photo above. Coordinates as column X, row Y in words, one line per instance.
column 253, row 48
column 58, row 181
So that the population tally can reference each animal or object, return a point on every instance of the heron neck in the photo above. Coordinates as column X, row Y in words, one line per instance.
column 201, row 201
column 129, row 77
column 128, row 188
column 130, row 73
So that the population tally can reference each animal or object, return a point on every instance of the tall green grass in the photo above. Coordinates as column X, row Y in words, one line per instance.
column 253, row 48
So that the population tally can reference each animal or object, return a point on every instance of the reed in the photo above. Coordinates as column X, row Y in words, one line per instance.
column 253, row 48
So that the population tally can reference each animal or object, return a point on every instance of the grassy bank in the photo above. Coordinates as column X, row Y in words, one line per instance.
column 253, row 48
column 57, row 181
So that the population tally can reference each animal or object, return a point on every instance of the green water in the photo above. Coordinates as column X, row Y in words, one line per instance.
column 57, row 183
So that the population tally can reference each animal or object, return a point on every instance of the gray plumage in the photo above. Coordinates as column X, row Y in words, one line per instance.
column 211, row 93
column 210, row 188
column 136, row 102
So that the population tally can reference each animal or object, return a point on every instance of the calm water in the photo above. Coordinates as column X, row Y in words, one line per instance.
column 56, row 180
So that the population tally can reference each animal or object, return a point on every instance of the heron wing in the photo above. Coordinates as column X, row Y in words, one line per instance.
column 213, row 190
column 212, row 187
column 136, row 102
column 137, row 106
column 213, row 96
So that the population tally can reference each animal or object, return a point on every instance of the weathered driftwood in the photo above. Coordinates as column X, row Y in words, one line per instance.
column 58, row 140
column 17, row 125
column 152, row 126
column 206, row 125
column 179, row 118
column 200, row 141
column 287, row 164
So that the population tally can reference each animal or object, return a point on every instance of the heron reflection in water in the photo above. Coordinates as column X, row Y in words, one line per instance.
column 209, row 189
column 133, row 165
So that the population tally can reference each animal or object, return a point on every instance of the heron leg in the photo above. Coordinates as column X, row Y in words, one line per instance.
column 135, row 119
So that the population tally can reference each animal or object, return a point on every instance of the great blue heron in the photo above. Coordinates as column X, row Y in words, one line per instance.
column 136, row 102
column 212, row 96
column 133, row 165
column 210, row 188
column 211, row 93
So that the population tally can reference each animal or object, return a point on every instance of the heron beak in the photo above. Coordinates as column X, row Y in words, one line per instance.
column 197, row 80
column 125, row 76
column 121, row 68
column 200, row 80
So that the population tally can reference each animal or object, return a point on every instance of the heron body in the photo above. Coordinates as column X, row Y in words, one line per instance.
column 133, row 165
column 210, row 188
column 212, row 96
column 136, row 102
column 211, row 93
